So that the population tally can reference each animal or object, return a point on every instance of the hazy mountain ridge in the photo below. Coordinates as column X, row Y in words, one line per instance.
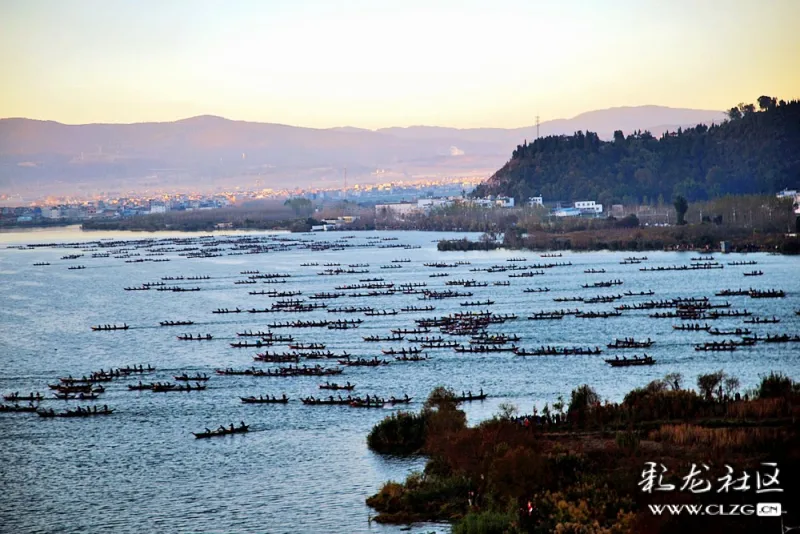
column 209, row 148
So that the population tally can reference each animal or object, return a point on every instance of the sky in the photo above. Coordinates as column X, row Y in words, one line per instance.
column 375, row 63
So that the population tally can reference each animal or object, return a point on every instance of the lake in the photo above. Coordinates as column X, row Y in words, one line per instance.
column 304, row 469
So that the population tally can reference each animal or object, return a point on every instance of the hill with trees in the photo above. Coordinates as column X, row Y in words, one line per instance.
column 755, row 151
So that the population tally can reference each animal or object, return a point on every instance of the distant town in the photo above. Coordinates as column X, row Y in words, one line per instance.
column 392, row 200
column 67, row 210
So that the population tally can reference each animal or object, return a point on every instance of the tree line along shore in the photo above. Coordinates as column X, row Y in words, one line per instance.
column 583, row 466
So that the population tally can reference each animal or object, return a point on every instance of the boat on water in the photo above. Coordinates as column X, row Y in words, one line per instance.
column 168, row 387
column 249, row 344
column 198, row 337
column 77, row 412
column 630, row 362
column 415, row 358
column 196, row 378
column 754, row 273
column 630, row 343
column 222, row 431
column 692, row 326
column 176, row 323
column 16, row 397
column 335, row 387
column 76, row 396
column 330, row 401
column 762, row 320
column 11, row 408
column 265, row 400
column 598, row 315
column 766, row 293
column 363, row 362
column 734, row 332
column 404, row 350
column 393, row 337
column 469, row 397
column 226, row 310
column 410, row 330
column 102, row 327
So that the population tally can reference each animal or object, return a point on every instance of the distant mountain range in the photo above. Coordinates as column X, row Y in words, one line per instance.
column 207, row 152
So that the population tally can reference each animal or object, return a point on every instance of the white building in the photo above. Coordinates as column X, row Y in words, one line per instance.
column 430, row 203
column 51, row 213
column 158, row 207
column 791, row 194
column 567, row 212
column 589, row 206
column 490, row 201
column 536, row 201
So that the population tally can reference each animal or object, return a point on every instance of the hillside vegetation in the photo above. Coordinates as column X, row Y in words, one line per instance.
column 755, row 151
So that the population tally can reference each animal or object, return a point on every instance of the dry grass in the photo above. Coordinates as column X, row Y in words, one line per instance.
column 716, row 438
column 760, row 409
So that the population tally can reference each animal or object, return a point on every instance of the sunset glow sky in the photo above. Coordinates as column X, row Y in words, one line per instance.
column 380, row 63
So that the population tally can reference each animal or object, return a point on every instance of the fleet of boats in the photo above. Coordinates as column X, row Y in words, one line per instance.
column 464, row 333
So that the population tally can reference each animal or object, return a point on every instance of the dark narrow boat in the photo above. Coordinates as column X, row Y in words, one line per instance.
column 335, row 387
column 630, row 362
column 265, row 400
column 222, row 431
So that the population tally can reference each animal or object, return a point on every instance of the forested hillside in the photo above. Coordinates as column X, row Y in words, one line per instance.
column 756, row 150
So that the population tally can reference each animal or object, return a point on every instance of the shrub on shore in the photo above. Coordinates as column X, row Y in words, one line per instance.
column 582, row 472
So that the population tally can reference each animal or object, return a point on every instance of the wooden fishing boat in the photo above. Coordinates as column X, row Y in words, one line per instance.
column 735, row 332
column 630, row 343
column 105, row 327
column 77, row 412
column 222, row 431
column 469, row 397
column 18, row 408
column 335, row 387
column 265, row 400
column 631, row 362
column 404, row 350
column 393, row 337
column 176, row 323
column 692, row 327
column 249, row 344
column 330, row 401
column 196, row 378
column 15, row 397
column 762, row 320
column 415, row 358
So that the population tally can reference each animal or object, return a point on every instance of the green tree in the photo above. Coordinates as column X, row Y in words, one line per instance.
column 734, row 114
column 300, row 206
column 681, row 206
column 766, row 103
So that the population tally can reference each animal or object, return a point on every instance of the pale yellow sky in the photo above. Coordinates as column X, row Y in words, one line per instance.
column 379, row 63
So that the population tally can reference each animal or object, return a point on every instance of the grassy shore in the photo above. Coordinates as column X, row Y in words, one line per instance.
column 582, row 468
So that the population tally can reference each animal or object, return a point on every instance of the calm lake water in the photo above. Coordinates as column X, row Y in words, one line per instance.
column 301, row 469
